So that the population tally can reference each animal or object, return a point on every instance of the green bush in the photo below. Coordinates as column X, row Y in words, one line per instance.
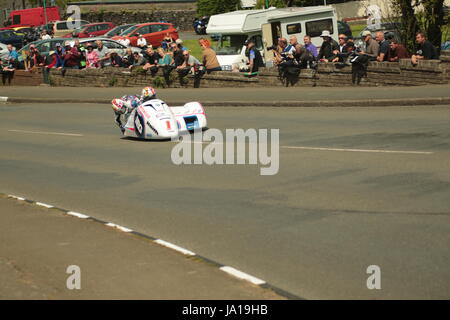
column 210, row 7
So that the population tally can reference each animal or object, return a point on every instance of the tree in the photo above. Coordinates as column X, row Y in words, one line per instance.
column 424, row 15
column 210, row 7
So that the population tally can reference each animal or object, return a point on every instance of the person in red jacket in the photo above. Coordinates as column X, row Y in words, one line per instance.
column 71, row 57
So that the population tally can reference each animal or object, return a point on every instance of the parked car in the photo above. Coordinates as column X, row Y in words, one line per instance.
column 10, row 37
column 117, row 31
column 61, row 28
column 152, row 32
column 4, row 53
column 45, row 46
column 91, row 30
column 344, row 28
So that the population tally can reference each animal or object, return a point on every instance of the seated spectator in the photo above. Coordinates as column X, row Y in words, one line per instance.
column 151, row 60
column 190, row 65
column 125, row 42
column 397, row 52
column 209, row 57
column 45, row 35
column 425, row 49
column 339, row 54
column 166, row 41
column 116, row 60
column 165, row 63
column 178, row 57
column 372, row 47
column 328, row 47
column 82, row 52
column 179, row 43
column 92, row 59
column 103, row 54
column 128, row 58
column 254, row 57
column 138, row 60
column 12, row 52
column 310, row 46
column 300, row 54
column 71, row 57
column 384, row 47
column 7, row 69
column 142, row 42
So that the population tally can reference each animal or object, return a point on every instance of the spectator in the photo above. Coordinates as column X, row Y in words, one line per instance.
column 209, row 57
column 254, row 57
column 178, row 57
column 59, row 56
column 300, row 54
column 141, row 42
column 12, row 52
column 45, row 35
column 128, row 58
column 165, row 63
column 92, row 59
column 7, row 69
column 71, row 57
column 190, row 65
column 165, row 44
column 372, row 47
column 397, row 52
column 125, row 42
column 425, row 49
column 116, row 60
column 341, row 52
column 384, row 46
column 138, row 60
column 179, row 43
column 103, row 54
column 151, row 60
column 328, row 47
column 36, row 59
column 82, row 52
column 310, row 46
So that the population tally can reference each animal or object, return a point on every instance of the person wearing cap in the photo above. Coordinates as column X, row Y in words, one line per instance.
column 141, row 42
column 179, row 43
column 372, row 47
column 254, row 57
column 59, row 56
column 329, row 46
column 209, row 56
column 71, row 57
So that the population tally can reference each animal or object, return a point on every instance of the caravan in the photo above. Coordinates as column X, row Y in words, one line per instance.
column 265, row 26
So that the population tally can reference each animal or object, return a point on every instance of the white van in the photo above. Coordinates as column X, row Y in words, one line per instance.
column 265, row 26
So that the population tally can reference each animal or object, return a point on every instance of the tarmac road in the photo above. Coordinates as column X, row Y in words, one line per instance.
column 312, row 229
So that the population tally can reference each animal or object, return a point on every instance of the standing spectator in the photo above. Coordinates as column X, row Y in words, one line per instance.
column 59, row 56
column 7, row 70
column 397, row 52
column 71, row 57
column 209, row 57
column 91, row 57
column 254, row 57
column 425, row 50
column 12, row 52
column 384, row 46
column 310, row 46
column 372, row 47
column 151, row 60
column 82, row 52
column 36, row 59
column 141, row 42
column 103, row 54
column 45, row 35
column 52, row 62
column 165, row 44
column 328, row 47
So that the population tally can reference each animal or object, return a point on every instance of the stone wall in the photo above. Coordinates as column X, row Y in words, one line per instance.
column 326, row 75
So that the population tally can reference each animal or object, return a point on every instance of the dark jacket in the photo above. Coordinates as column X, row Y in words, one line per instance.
column 327, row 48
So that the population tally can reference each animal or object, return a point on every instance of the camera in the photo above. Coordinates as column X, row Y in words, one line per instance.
column 271, row 48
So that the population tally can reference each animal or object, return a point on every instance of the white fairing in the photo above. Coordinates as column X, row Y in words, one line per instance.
column 155, row 120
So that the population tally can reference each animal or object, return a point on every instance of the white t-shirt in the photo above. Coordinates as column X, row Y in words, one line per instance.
column 46, row 37
column 141, row 42
column 125, row 42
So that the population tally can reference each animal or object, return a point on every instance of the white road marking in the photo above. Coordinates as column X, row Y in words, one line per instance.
column 174, row 247
column 44, row 205
column 112, row 225
column 51, row 133
column 16, row 197
column 78, row 215
column 357, row 150
column 241, row 275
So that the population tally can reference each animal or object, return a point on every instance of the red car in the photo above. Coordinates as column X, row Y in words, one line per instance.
column 91, row 30
column 153, row 32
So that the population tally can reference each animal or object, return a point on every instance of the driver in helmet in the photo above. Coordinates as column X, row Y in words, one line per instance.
column 127, row 103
